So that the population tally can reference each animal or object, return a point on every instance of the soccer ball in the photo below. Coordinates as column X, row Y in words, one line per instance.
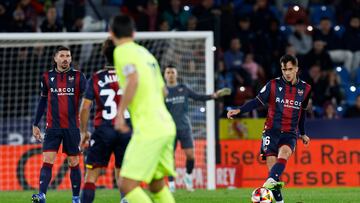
column 262, row 195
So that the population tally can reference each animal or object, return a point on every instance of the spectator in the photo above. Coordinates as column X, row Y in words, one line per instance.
column 352, row 36
column 261, row 16
column 330, row 111
column 300, row 39
column 51, row 24
column 29, row 13
column 245, row 34
column 333, row 43
column 318, row 56
column 353, row 111
column 5, row 15
column 206, row 13
column 148, row 17
column 73, row 15
column 192, row 23
column 176, row 16
column 19, row 24
column 233, row 58
column 164, row 26
column 251, row 66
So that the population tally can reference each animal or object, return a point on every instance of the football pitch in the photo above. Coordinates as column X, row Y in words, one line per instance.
column 292, row 195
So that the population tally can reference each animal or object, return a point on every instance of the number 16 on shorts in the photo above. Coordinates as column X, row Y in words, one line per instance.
column 265, row 142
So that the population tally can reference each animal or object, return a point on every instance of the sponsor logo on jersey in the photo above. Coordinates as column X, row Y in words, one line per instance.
column 289, row 103
column 300, row 92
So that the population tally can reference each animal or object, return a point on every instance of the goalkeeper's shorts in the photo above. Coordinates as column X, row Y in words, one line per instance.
column 148, row 159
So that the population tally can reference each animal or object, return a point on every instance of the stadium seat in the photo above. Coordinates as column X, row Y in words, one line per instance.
column 340, row 30
column 351, row 94
column 344, row 76
column 278, row 14
column 319, row 11
column 357, row 77
column 244, row 9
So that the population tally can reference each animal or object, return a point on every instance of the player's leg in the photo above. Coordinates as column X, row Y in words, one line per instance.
column 270, row 162
column 270, row 143
column 71, row 148
column 161, row 193
column 119, row 145
column 187, row 144
column 51, row 145
column 171, row 179
column 88, row 191
column 133, row 192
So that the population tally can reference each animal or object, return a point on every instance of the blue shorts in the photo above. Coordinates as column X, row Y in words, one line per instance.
column 104, row 141
column 273, row 140
column 185, row 138
column 70, row 139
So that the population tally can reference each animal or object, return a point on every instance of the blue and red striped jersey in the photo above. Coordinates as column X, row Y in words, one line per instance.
column 63, row 91
column 285, row 102
column 103, row 87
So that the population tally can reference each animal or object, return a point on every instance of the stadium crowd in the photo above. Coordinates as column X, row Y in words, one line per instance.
column 250, row 36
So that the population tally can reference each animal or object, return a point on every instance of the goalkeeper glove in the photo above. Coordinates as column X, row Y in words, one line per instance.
column 223, row 92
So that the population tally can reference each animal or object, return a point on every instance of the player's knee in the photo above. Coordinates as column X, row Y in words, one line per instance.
column 285, row 152
column 49, row 159
column 73, row 161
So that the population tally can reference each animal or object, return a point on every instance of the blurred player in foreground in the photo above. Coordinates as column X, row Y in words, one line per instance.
column 61, row 91
column 149, row 155
column 178, row 105
column 103, row 88
column 287, row 98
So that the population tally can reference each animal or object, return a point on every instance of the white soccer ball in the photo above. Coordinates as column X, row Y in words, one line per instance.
column 262, row 195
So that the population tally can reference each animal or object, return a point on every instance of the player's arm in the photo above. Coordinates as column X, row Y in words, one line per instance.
column 301, row 125
column 39, row 112
column 261, row 99
column 130, row 89
column 40, row 108
column 247, row 107
column 85, row 109
column 200, row 97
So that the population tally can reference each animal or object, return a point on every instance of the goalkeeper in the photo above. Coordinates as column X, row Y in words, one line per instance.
column 177, row 104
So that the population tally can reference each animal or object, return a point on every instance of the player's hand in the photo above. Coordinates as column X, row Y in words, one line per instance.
column 37, row 133
column 222, row 92
column 306, row 140
column 120, row 124
column 85, row 138
column 232, row 113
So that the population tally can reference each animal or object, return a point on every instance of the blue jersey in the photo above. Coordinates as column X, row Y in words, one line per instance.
column 285, row 102
column 177, row 103
column 103, row 87
column 63, row 91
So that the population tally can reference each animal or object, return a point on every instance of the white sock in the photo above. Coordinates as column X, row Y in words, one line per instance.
column 282, row 201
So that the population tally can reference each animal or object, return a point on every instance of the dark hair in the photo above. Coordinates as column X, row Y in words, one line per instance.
column 288, row 58
column 108, row 51
column 61, row 48
column 325, row 18
column 122, row 26
column 170, row 66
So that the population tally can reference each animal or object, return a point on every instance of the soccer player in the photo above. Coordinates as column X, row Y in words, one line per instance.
column 287, row 98
column 177, row 104
column 61, row 91
column 103, row 88
column 149, row 155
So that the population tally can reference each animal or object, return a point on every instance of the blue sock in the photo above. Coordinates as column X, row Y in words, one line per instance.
column 45, row 177
column 75, row 177
column 171, row 178
column 277, row 169
column 190, row 165
column 277, row 195
column 88, row 193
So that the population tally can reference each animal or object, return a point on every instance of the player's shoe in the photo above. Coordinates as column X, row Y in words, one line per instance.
column 272, row 184
column 172, row 187
column 38, row 198
column 75, row 199
column 123, row 200
column 188, row 180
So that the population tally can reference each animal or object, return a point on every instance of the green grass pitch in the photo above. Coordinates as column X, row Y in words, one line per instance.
column 292, row 195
